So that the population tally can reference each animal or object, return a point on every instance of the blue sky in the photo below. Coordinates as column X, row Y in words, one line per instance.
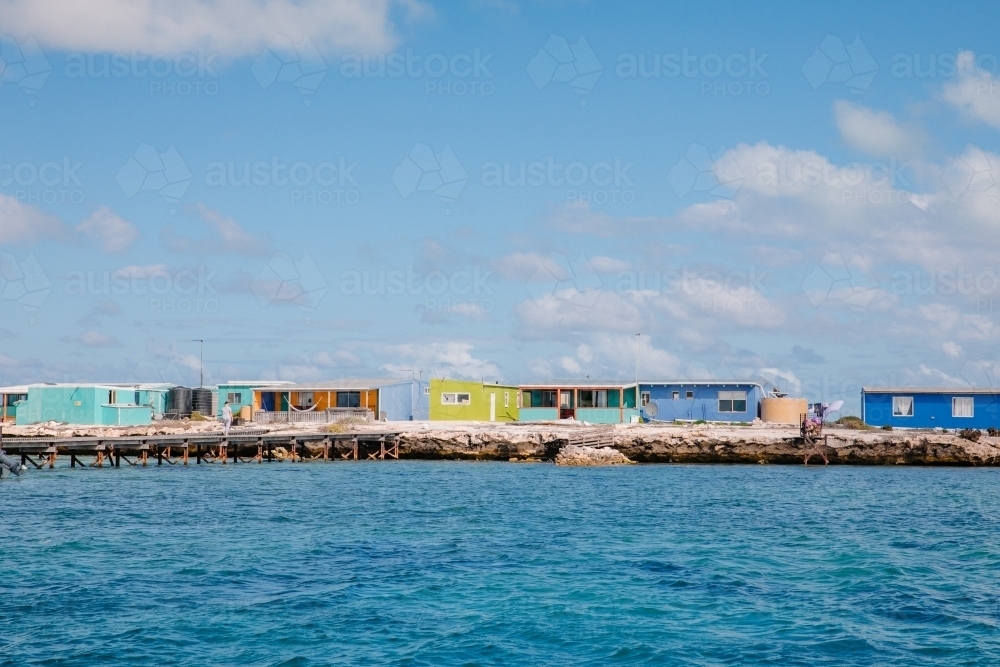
column 509, row 190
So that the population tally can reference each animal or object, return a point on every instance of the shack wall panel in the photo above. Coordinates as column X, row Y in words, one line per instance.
column 932, row 411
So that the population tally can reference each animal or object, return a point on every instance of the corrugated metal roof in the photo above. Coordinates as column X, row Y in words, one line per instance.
column 343, row 384
column 257, row 383
column 588, row 384
column 705, row 382
column 931, row 390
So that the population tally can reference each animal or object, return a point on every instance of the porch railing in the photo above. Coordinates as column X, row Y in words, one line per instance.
column 329, row 416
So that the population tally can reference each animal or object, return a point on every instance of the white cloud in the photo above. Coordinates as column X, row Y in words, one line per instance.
column 951, row 349
column 572, row 310
column 22, row 222
column 227, row 237
column 114, row 234
column 231, row 28
column 944, row 317
column 603, row 264
column 96, row 339
column 873, row 132
column 524, row 265
column 447, row 359
column 786, row 380
column 141, row 272
column 571, row 365
column 315, row 367
column 578, row 218
column 975, row 92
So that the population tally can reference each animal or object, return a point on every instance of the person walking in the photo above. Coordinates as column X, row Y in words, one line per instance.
column 227, row 418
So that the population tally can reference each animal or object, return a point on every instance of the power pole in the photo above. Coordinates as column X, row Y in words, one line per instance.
column 201, row 357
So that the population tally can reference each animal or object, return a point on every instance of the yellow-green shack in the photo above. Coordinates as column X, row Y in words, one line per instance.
column 468, row 400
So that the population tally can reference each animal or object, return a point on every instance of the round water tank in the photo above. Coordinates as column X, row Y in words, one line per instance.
column 783, row 410
column 201, row 401
column 179, row 401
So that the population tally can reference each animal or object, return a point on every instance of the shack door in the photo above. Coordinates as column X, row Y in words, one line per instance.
column 493, row 406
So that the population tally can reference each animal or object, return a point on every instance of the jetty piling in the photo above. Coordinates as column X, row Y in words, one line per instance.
column 43, row 452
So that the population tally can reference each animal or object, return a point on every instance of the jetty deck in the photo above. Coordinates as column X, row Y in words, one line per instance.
column 239, row 446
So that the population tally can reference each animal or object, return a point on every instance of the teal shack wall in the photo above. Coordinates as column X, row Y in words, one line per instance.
column 84, row 404
column 70, row 405
column 154, row 398
column 246, row 395
column 126, row 415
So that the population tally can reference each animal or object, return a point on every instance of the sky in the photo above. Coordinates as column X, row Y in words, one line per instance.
column 500, row 189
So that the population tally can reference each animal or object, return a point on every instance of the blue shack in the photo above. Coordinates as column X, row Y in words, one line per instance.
column 701, row 400
column 931, row 407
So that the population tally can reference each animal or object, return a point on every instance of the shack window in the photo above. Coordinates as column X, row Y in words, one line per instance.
column 593, row 398
column 427, row 390
column 306, row 399
column 506, row 399
column 234, row 397
column 565, row 400
column 902, row 406
column 690, row 395
column 732, row 401
column 961, row 406
column 645, row 398
column 453, row 398
column 548, row 399
column 675, row 395
column 348, row 399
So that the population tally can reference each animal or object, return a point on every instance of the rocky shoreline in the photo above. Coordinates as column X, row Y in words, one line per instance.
column 639, row 443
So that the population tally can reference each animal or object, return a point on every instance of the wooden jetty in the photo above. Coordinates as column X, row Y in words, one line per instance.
column 238, row 447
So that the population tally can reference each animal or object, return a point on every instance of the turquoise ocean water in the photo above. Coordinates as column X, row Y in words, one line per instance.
column 421, row 563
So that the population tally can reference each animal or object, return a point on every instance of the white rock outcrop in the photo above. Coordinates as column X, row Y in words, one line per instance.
column 576, row 455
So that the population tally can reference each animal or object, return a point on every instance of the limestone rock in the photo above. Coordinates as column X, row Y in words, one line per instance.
column 576, row 455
